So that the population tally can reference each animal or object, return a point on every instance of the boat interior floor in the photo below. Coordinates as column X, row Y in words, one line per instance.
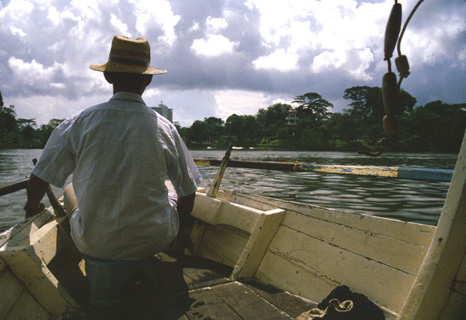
column 197, row 288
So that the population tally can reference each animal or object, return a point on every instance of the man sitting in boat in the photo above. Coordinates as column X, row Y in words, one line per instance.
column 120, row 154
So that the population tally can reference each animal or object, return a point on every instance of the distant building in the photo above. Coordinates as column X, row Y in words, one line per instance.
column 292, row 120
column 164, row 111
column 292, row 117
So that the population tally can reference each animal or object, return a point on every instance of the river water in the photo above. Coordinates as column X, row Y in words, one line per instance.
column 404, row 199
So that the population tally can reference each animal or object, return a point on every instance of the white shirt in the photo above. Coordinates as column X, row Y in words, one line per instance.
column 120, row 154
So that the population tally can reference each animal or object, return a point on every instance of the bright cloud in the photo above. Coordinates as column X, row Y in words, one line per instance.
column 215, row 25
column 32, row 72
column 241, row 102
column 279, row 60
column 213, row 46
column 154, row 15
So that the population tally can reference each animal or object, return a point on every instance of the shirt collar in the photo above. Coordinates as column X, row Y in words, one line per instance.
column 127, row 96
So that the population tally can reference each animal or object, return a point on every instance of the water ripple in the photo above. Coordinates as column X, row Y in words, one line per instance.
column 404, row 199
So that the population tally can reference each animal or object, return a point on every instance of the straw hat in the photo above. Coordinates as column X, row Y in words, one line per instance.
column 130, row 56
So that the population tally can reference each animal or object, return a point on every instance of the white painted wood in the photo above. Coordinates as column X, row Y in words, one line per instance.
column 26, row 307
column 20, row 231
column 375, row 256
column 254, row 251
column 11, row 289
column 27, row 256
column 387, row 227
column 383, row 284
column 220, row 212
column 222, row 245
column 374, row 245
column 432, row 288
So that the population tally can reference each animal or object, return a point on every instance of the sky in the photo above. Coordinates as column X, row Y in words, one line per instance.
column 224, row 57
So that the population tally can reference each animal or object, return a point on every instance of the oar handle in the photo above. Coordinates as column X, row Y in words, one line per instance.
column 13, row 187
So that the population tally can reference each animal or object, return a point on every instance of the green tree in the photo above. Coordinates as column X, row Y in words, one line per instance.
column 9, row 131
column 215, row 128
column 234, row 128
column 311, row 105
column 436, row 126
column 272, row 120
column 198, row 131
column 28, row 133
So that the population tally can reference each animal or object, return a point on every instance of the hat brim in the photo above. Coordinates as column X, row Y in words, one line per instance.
column 125, row 68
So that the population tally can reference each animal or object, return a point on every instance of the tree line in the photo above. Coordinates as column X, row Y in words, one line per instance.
column 434, row 127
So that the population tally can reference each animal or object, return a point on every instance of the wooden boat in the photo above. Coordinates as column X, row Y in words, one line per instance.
column 411, row 271
column 258, row 258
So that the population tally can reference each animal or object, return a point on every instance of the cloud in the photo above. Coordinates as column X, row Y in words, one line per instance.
column 279, row 60
column 226, row 56
column 213, row 46
column 241, row 102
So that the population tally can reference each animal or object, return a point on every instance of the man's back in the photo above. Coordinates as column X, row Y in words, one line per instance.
column 123, row 153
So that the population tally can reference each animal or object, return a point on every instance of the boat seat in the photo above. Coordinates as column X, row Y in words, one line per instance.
column 107, row 278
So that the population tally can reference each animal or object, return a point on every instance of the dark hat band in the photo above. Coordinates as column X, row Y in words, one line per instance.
column 129, row 62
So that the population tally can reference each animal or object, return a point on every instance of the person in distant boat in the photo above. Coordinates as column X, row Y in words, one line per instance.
column 120, row 154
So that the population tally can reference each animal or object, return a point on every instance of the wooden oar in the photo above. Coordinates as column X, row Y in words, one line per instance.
column 13, row 187
column 213, row 190
column 16, row 186
column 389, row 172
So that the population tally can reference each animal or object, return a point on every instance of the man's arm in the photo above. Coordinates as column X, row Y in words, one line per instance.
column 35, row 192
column 185, row 207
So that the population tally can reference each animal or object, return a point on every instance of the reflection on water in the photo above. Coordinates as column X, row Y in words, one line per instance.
column 419, row 201
column 411, row 200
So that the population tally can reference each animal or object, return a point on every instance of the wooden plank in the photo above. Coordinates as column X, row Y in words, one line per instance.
column 255, row 248
column 291, row 304
column 247, row 304
column 219, row 212
column 21, row 231
column 296, row 278
column 197, row 233
column 461, row 276
column 26, row 307
column 455, row 308
column 222, row 245
column 207, row 304
column 2, row 264
column 28, row 254
column 401, row 230
column 405, row 256
column 11, row 289
column 39, row 280
column 384, row 285
column 300, row 280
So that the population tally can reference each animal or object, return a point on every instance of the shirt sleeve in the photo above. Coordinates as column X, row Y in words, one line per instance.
column 183, row 173
column 56, row 162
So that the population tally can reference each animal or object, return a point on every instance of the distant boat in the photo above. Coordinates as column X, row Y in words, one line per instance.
column 211, row 148
column 238, row 148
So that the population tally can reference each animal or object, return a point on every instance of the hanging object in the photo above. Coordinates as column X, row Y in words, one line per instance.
column 390, row 87
column 392, row 30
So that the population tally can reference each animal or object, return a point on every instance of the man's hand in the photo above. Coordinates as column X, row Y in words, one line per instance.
column 31, row 211
column 35, row 191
